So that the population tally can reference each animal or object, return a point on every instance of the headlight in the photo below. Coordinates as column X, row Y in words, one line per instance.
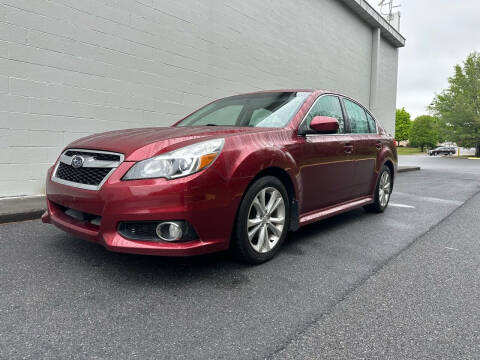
column 182, row 162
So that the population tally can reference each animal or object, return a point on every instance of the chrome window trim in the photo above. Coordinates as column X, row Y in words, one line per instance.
column 367, row 111
column 310, row 109
column 350, row 133
column 89, row 163
column 374, row 120
column 313, row 135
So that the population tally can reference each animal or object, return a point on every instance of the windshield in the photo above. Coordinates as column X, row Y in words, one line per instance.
column 274, row 109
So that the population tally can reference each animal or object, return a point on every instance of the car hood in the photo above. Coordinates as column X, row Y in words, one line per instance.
column 142, row 143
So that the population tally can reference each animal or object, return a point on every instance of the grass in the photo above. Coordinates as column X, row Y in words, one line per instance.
column 415, row 151
column 408, row 151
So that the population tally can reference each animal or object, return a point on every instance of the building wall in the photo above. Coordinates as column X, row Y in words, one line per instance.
column 69, row 68
column 385, row 103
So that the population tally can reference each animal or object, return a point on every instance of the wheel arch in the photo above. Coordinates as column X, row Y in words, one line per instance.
column 390, row 165
column 282, row 175
column 287, row 181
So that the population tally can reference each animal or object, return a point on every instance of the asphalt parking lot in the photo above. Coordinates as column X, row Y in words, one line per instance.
column 354, row 286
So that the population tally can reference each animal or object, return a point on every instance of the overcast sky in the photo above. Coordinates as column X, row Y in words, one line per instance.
column 439, row 35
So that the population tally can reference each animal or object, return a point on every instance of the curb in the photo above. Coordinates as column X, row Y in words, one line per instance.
column 31, row 215
column 21, row 208
column 402, row 169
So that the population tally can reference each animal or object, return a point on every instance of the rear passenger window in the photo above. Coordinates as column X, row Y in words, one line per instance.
column 357, row 116
column 371, row 124
column 327, row 105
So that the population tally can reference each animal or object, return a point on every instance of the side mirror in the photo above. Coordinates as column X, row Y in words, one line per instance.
column 324, row 124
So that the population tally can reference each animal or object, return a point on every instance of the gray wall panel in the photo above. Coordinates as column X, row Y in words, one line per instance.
column 69, row 68
column 387, row 86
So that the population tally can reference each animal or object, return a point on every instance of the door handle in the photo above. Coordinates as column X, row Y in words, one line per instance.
column 379, row 145
column 348, row 148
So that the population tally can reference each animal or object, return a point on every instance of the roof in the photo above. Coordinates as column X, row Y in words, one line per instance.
column 365, row 11
column 291, row 90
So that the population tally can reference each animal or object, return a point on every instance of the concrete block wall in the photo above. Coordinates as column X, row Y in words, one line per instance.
column 69, row 68
column 387, row 86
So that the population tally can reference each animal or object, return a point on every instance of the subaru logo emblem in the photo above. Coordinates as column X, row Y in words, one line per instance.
column 77, row 161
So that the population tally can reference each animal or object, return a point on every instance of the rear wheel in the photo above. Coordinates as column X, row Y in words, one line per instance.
column 262, row 221
column 382, row 191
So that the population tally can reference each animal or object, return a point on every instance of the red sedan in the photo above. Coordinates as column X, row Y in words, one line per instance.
column 238, row 173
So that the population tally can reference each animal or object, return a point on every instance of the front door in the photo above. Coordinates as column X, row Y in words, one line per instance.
column 325, row 160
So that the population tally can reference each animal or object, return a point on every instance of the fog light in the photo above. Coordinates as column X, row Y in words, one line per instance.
column 169, row 231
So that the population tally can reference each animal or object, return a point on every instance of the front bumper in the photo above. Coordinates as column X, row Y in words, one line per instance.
column 205, row 201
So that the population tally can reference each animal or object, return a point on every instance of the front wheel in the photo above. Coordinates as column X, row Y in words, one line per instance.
column 382, row 191
column 262, row 221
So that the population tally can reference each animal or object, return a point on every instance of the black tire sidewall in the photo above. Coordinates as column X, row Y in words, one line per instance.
column 241, row 245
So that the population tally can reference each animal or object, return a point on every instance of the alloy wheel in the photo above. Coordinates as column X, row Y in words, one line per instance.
column 266, row 219
column 384, row 189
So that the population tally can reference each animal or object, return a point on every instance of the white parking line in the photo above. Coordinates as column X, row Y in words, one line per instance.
column 450, row 248
column 431, row 199
column 401, row 205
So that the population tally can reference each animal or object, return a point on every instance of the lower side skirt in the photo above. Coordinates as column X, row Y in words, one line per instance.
column 321, row 214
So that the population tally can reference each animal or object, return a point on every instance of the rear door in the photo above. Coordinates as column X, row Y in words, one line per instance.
column 366, row 146
column 325, row 160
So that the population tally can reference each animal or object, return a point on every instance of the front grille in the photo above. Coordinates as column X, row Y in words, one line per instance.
column 96, row 156
column 92, row 168
column 82, row 175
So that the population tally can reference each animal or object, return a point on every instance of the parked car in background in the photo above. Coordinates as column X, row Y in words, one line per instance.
column 238, row 173
column 442, row 150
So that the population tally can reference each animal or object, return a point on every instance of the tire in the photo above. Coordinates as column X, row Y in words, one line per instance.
column 249, row 245
column 382, row 191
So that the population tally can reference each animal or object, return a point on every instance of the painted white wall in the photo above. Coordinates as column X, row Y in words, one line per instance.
column 69, row 68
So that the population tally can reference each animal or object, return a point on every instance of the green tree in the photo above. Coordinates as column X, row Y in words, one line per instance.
column 424, row 132
column 442, row 131
column 458, row 106
column 402, row 124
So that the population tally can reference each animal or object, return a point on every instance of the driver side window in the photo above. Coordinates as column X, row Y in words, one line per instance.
column 327, row 105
